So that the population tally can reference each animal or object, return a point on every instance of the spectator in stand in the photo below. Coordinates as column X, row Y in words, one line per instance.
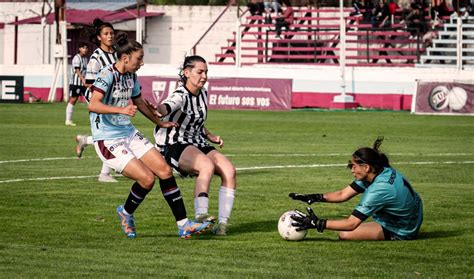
column 358, row 6
column 77, row 85
column 286, row 20
column 381, row 15
column 415, row 21
column 440, row 11
column 256, row 7
column 273, row 6
column 369, row 8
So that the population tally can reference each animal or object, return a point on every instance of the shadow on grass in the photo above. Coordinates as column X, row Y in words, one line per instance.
column 439, row 234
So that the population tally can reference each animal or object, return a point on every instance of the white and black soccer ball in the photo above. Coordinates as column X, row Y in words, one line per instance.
column 287, row 230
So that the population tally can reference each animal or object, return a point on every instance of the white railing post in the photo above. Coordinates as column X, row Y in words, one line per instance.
column 238, row 45
column 459, row 44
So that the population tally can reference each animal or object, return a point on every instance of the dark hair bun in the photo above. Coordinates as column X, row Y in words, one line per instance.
column 121, row 39
column 97, row 23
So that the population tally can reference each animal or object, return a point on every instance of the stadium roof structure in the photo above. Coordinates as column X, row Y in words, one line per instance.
column 85, row 17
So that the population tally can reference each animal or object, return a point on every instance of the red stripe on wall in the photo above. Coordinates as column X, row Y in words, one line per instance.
column 377, row 101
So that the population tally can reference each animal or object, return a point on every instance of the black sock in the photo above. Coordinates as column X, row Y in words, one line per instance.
column 172, row 194
column 136, row 196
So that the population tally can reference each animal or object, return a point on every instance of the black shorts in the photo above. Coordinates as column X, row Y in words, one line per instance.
column 389, row 235
column 76, row 90
column 172, row 153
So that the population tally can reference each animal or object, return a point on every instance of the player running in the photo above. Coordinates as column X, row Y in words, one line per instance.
column 186, row 148
column 123, row 148
column 103, row 35
column 387, row 196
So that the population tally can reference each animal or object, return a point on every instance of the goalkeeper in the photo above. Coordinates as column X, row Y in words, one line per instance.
column 387, row 197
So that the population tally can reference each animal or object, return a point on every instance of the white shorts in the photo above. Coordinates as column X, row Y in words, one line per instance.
column 117, row 153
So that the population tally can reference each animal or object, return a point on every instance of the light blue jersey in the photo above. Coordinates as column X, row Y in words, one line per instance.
column 392, row 202
column 118, row 89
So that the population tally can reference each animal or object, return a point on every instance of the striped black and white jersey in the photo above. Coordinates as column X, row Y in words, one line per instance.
column 99, row 60
column 78, row 62
column 190, row 112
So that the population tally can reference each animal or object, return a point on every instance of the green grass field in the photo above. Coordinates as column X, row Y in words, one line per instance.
column 58, row 221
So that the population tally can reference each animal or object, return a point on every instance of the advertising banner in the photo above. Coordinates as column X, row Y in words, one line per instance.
column 445, row 98
column 229, row 93
column 11, row 89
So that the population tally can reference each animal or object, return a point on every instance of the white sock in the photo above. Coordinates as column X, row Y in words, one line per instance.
column 105, row 170
column 69, row 110
column 89, row 140
column 226, row 202
column 201, row 206
column 182, row 222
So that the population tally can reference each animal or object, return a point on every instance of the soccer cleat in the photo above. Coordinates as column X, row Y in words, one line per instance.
column 206, row 218
column 106, row 178
column 191, row 228
column 127, row 222
column 81, row 144
column 70, row 123
column 220, row 229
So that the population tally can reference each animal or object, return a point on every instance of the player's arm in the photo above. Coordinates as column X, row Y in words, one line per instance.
column 212, row 138
column 303, row 221
column 81, row 77
column 349, row 224
column 97, row 106
column 334, row 197
column 93, row 68
column 147, row 109
column 341, row 196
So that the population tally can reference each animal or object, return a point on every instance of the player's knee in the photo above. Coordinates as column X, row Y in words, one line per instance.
column 344, row 235
column 206, row 168
column 147, row 181
column 165, row 172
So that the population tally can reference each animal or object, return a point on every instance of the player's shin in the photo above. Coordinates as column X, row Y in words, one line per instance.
column 173, row 197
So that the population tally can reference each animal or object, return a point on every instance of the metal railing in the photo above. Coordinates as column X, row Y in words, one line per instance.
column 373, row 36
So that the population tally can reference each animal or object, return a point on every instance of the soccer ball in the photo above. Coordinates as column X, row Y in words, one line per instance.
column 288, row 231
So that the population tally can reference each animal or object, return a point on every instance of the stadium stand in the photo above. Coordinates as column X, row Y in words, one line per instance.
column 444, row 49
column 314, row 38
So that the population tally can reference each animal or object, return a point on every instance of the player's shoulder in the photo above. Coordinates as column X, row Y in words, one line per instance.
column 180, row 91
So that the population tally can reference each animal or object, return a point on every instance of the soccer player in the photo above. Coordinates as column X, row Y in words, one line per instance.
column 186, row 148
column 103, row 36
column 77, row 85
column 115, row 99
column 387, row 196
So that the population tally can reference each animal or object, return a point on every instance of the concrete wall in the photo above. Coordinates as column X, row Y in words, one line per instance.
column 170, row 37
column 313, row 86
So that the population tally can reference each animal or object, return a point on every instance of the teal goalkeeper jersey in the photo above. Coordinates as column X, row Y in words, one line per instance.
column 392, row 202
column 117, row 89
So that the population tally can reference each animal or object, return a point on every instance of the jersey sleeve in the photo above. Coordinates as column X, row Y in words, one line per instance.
column 358, row 186
column 76, row 62
column 372, row 201
column 103, row 82
column 93, row 68
column 174, row 102
column 137, row 88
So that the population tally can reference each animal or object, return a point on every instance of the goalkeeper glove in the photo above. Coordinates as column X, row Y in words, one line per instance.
column 311, row 198
column 310, row 221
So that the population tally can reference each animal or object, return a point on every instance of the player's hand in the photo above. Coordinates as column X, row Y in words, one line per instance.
column 309, row 198
column 129, row 110
column 168, row 124
column 215, row 139
column 153, row 108
column 303, row 222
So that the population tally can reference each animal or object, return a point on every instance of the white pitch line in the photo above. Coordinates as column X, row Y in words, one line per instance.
column 244, row 169
column 39, row 160
column 256, row 155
